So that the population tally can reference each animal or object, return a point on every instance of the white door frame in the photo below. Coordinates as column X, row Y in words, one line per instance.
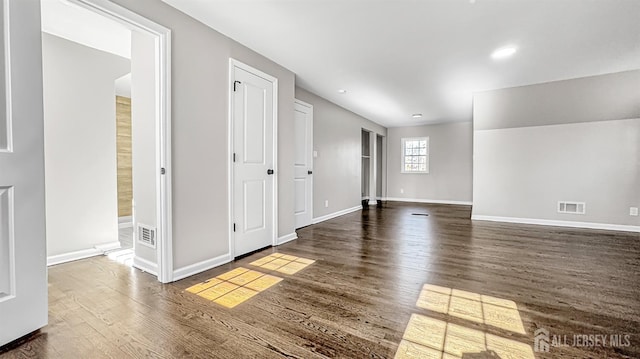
column 233, row 63
column 162, row 37
column 305, row 104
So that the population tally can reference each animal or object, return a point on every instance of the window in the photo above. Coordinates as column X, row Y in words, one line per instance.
column 415, row 155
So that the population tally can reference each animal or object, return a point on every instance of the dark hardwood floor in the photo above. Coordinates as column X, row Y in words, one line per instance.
column 356, row 300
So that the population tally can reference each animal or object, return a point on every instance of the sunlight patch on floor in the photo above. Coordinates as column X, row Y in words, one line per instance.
column 283, row 263
column 122, row 256
column 497, row 312
column 234, row 287
column 426, row 337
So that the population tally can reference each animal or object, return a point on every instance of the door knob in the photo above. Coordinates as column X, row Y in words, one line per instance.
column 309, row 172
column 269, row 171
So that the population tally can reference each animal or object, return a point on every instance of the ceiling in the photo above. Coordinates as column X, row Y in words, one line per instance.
column 400, row 57
column 63, row 19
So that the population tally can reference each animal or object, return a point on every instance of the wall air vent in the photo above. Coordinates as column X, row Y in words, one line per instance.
column 146, row 235
column 572, row 207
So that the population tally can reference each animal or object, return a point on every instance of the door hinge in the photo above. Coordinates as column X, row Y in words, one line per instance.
column 163, row 171
column 234, row 227
column 234, row 85
column 234, row 157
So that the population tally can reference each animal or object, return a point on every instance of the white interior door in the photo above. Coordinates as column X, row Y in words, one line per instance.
column 303, row 164
column 23, row 266
column 254, row 177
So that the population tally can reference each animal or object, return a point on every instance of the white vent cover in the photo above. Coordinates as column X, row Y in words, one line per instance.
column 146, row 235
column 571, row 207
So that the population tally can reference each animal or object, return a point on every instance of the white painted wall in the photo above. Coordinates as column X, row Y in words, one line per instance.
column 80, row 144
column 123, row 86
column 584, row 146
column 200, row 97
column 337, row 138
column 143, row 137
column 450, row 164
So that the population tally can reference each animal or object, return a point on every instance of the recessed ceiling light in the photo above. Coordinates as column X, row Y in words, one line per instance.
column 503, row 52
column 342, row 91
column 416, row 115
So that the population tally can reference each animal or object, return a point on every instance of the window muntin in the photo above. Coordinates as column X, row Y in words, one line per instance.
column 415, row 155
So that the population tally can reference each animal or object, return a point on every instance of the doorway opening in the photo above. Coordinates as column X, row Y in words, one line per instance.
column 106, row 78
column 381, row 169
column 365, row 168
column 373, row 168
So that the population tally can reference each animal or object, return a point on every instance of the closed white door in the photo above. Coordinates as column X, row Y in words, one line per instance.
column 254, row 176
column 23, row 266
column 303, row 164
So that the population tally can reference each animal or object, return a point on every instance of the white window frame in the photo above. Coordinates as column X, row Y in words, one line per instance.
column 402, row 154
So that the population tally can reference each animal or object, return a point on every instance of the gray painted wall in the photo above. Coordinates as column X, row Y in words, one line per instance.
column 524, row 166
column 337, row 139
column 523, row 172
column 450, row 163
column 200, row 97
column 594, row 98
column 80, row 144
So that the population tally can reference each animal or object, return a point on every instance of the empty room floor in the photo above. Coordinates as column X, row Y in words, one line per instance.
column 405, row 280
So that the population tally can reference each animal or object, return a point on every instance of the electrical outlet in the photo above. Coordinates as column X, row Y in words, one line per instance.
column 315, row 154
column 326, row 203
column 401, row 190
column 633, row 211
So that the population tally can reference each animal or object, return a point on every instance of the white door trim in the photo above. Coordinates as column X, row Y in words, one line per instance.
column 164, row 231
column 305, row 104
column 274, row 81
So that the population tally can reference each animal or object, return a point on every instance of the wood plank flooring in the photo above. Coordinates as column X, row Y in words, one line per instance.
column 355, row 301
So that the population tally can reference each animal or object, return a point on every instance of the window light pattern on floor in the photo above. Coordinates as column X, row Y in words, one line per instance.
column 234, row 287
column 499, row 313
column 427, row 337
column 283, row 263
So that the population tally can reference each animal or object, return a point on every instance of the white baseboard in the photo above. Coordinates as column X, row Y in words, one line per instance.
column 287, row 238
column 421, row 200
column 335, row 214
column 105, row 247
column 125, row 222
column 373, row 202
column 548, row 222
column 145, row 265
column 72, row 256
column 196, row 268
column 97, row 250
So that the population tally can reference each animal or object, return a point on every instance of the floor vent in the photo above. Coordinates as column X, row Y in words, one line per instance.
column 571, row 207
column 146, row 235
column 420, row 214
